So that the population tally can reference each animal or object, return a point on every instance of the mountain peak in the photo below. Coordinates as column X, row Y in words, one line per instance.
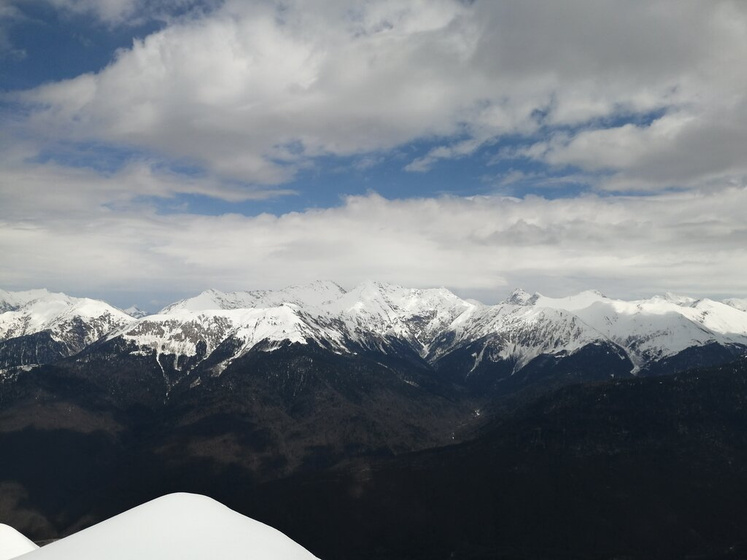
column 12, row 301
column 678, row 299
column 521, row 297
column 136, row 312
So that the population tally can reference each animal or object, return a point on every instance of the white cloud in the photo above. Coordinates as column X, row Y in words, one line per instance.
column 9, row 15
column 132, row 12
column 694, row 243
column 234, row 88
column 49, row 191
column 113, row 11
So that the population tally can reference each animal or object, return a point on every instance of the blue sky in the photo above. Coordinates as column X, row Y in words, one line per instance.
column 149, row 150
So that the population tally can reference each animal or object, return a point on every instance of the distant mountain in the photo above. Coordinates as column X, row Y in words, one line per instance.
column 657, row 328
column 499, row 348
column 479, row 346
column 136, row 312
column 39, row 327
column 740, row 304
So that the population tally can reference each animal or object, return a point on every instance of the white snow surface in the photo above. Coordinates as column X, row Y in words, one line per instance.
column 10, row 301
column 13, row 543
column 521, row 333
column 183, row 526
column 315, row 294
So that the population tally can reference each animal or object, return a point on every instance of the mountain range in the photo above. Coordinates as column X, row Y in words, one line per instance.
column 433, row 326
column 260, row 398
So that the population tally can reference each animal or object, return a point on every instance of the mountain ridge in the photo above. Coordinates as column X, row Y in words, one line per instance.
column 375, row 316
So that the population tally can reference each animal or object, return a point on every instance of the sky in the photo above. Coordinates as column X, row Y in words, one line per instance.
column 150, row 150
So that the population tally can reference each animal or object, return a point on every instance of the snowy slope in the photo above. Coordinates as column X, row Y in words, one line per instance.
column 312, row 295
column 12, row 301
column 13, row 543
column 737, row 303
column 518, row 333
column 184, row 332
column 418, row 316
column 183, row 526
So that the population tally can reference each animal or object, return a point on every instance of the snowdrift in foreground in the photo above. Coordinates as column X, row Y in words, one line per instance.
column 13, row 543
column 184, row 526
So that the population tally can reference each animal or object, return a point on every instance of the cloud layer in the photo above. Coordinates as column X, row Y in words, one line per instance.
column 651, row 94
column 481, row 247
column 644, row 102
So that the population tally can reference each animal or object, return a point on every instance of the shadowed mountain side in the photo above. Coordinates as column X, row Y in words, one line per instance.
column 496, row 379
column 37, row 348
column 642, row 469
column 647, row 467
column 104, row 430
column 303, row 407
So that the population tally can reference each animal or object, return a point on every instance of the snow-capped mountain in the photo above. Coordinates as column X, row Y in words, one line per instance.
column 652, row 329
column 135, row 312
column 323, row 311
column 372, row 316
column 417, row 316
column 38, row 326
column 738, row 303
column 517, row 334
column 432, row 325
column 12, row 301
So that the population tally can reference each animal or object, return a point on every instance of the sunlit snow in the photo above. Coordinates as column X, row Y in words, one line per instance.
column 13, row 543
column 183, row 526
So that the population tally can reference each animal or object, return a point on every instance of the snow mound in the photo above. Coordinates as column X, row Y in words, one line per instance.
column 13, row 543
column 184, row 526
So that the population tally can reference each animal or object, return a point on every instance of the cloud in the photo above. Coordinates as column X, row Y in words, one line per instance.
column 44, row 192
column 679, row 149
column 252, row 91
column 693, row 242
column 9, row 15
column 132, row 12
